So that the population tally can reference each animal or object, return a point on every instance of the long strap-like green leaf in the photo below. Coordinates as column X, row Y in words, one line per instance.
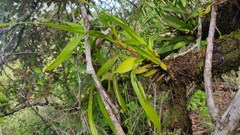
column 93, row 128
column 64, row 53
column 147, row 107
column 105, row 114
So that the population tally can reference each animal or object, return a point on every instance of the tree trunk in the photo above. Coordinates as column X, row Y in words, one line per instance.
column 179, row 121
column 229, row 121
column 186, row 69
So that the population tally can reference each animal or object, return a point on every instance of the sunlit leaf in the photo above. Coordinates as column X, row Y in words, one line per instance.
column 126, row 65
column 208, row 9
column 106, row 66
column 64, row 54
column 143, row 69
column 139, row 60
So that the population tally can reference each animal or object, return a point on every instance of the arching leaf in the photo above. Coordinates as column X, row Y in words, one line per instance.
column 176, row 23
column 118, row 93
column 126, row 65
column 106, row 66
column 147, row 107
column 105, row 114
column 64, row 54
column 100, row 34
column 93, row 128
column 131, row 33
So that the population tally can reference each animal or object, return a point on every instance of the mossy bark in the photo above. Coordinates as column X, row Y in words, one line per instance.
column 179, row 121
column 189, row 68
column 186, row 69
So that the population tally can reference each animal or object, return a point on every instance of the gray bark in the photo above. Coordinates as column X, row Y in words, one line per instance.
column 229, row 121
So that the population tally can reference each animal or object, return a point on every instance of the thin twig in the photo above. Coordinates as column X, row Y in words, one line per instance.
column 72, row 11
column 79, row 83
column 208, row 66
column 4, row 57
column 10, row 41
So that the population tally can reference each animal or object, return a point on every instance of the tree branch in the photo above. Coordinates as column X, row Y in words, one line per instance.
column 4, row 57
column 105, row 98
column 229, row 121
column 208, row 66
column 17, row 109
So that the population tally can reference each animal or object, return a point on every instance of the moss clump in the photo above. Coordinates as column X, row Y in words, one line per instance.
column 232, row 35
